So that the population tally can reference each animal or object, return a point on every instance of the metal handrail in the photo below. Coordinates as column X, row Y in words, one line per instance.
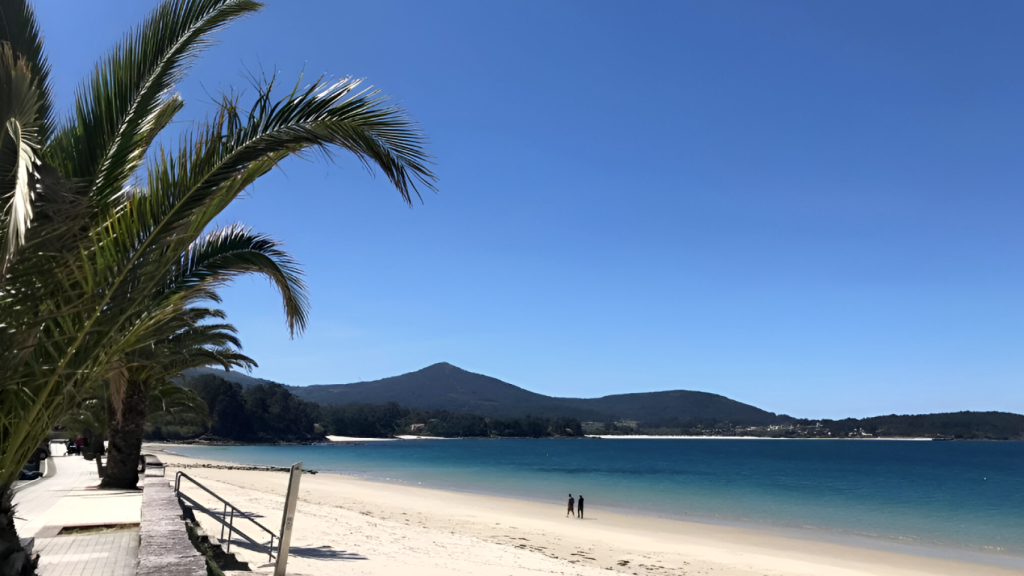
column 232, row 529
column 229, row 524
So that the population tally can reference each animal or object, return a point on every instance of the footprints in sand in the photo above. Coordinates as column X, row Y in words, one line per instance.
column 520, row 543
column 633, row 566
column 641, row 565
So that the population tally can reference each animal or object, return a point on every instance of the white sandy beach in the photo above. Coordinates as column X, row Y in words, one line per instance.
column 350, row 525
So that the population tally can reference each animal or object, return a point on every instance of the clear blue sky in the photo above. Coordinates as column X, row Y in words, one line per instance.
column 812, row 207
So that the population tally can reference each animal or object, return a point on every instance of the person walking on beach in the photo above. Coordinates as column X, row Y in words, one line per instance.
column 571, row 512
column 580, row 507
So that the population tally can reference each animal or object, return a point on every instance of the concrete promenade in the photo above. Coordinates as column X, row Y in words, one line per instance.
column 78, row 529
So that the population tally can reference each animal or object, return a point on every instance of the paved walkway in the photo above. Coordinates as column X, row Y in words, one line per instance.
column 68, row 501
column 109, row 554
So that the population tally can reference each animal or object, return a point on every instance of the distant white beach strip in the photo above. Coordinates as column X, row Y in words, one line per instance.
column 354, row 439
column 645, row 437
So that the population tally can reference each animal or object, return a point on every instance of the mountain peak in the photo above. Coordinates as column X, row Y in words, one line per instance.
column 439, row 368
column 448, row 387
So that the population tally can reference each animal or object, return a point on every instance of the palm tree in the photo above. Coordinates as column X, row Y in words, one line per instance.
column 168, row 336
column 167, row 400
column 187, row 341
column 85, row 251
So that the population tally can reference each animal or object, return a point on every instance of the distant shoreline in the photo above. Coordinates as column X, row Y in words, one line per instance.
column 341, row 440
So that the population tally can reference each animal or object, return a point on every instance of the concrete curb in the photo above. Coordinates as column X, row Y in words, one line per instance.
column 165, row 549
column 49, row 469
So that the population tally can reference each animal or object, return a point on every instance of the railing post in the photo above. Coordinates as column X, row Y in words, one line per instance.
column 222, row 522
column 288, row 520
column 231, row 528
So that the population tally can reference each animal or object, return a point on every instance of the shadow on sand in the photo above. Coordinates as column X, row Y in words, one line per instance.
column 323, row 553
column 311, row 552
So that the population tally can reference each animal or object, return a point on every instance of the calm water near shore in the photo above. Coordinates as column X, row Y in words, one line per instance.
column 968, row 495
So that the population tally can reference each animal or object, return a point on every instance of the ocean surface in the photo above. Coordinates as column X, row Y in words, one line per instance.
column 947, row 499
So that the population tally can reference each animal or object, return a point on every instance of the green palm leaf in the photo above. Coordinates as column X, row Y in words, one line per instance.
column 120, row 107
column 19, row 29
column 225, row 253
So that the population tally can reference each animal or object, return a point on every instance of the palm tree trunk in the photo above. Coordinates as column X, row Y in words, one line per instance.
column 14, row 560
column 125, row 438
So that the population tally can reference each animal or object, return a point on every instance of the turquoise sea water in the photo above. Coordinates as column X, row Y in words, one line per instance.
column 937, row 496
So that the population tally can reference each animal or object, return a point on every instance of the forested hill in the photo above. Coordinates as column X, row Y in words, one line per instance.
column 244, row 380
column 440, row 386
column 444, row 400
column 446, row 387
column 269, row 413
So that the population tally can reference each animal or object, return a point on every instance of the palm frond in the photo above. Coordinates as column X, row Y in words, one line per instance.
column 117, row 109
column 187, row 190
column 19, row 142
column 19, row 209
column 182, row 341
column 225, row 253
column 215, row 164
column 178, row 403
column 20, row 29
column 194, row 335
column 224, row 357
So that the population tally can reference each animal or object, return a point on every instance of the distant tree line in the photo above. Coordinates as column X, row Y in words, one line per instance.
column 265, row 413
column 954, row 425
column 957, row 425
column 270, row 413
column 383, row 420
